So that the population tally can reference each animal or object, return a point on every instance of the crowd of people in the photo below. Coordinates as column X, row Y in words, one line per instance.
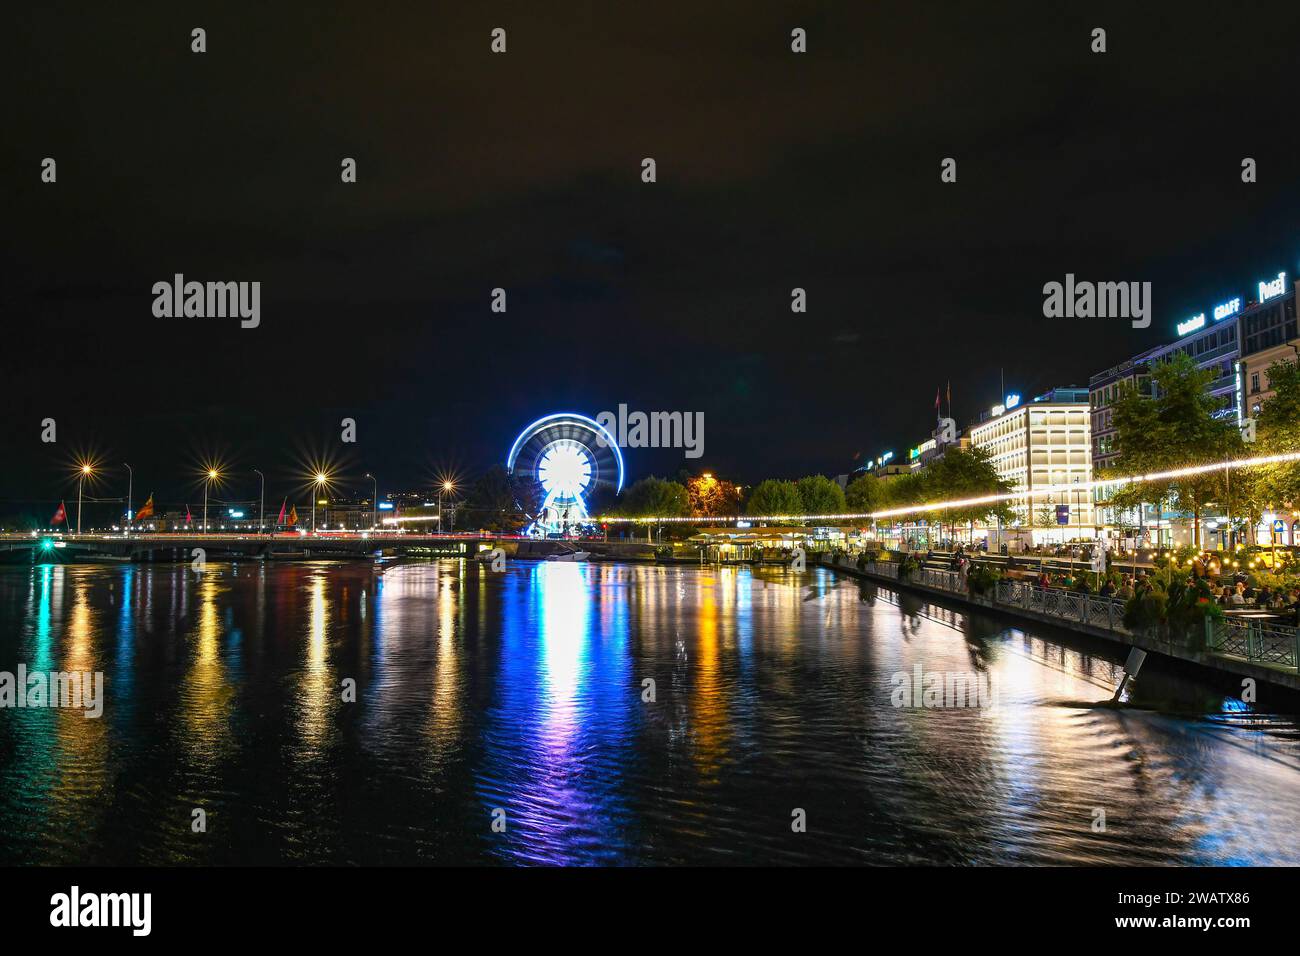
column 1235, row 593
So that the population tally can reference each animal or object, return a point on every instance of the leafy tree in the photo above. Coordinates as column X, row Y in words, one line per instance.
column 712, row 497
column 653, row 496
column 775, row 497
column 864, row 493
column 1278, row 431
column 500, row 501
column 970, row 473
column 820, row 496
column 1177, row 428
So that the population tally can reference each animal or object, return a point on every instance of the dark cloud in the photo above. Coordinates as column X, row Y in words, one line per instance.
column 522, row 172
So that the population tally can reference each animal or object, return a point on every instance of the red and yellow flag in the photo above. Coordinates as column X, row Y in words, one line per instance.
column 146, row 509
column 293, row 515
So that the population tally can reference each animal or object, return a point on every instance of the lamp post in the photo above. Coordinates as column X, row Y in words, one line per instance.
column 447, row 488
column 320, row 480
column 261, row 504
column 374, row 503
column 213, row 475
column 85, row 472
column 130, row 482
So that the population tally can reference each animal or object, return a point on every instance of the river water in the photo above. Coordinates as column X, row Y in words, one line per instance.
column 506, row 718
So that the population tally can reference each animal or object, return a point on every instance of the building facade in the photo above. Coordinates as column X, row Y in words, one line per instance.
column 1268, row 336
column 1044, row 443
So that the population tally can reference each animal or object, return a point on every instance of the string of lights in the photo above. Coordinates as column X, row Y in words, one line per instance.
column 1231, row 464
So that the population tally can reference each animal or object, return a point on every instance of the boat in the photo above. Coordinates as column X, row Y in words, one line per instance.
column 569, row 555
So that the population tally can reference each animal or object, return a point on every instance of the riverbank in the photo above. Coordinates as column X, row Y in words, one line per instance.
column 1096, row 617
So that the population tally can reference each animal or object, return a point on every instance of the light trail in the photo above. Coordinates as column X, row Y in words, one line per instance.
column 1231, row 464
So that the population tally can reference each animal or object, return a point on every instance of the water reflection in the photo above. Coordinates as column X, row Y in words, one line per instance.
column 613, row 714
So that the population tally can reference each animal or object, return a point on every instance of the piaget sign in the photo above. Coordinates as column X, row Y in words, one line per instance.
column 1273, row 288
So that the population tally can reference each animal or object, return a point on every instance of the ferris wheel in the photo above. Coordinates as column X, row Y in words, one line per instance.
column 573, row 457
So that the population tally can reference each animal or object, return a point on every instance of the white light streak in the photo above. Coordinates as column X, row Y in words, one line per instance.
column 1189, row 471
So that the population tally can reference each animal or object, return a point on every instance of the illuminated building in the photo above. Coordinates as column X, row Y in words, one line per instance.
column 1041, row 443
column 1268, row 336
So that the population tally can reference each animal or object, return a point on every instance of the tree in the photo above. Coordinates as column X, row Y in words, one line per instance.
column 820, row 496
column 864, row 493
column 500, row 501
column 962, row 474
column 775, row 497
column 1181, row 426
column 711, row 497
column 1277, row 431
column 651, row 497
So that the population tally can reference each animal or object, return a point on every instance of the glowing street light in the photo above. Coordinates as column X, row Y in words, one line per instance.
column 321, row 479
column 86, row 471
column 213, row 475
column 447, row 488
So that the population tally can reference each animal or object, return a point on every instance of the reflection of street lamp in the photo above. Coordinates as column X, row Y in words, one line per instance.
column 320, row 481
column 213, row 475
column 447, row 488
column 85, row 473
column 374, row 514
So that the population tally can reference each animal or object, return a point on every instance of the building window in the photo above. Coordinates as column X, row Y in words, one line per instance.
column 1254, row 382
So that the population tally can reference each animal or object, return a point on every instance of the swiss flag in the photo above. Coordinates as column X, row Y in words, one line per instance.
column 60, row 516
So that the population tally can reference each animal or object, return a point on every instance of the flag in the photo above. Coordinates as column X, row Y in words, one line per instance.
column 936, row 401
column 950, row 398
column 280, row 520
column 293, row 515
column 188, row 517
column 146, row 509
column 60, row 516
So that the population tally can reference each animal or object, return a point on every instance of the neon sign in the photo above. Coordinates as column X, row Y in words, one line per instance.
column 1192, row 324
column 1012, row 400
column 1231, row 307
column 1271, row 290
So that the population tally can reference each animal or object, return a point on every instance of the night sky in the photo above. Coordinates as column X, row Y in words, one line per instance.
column 522, row 171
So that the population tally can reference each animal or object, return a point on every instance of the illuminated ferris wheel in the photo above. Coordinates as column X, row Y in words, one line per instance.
column 573, row 457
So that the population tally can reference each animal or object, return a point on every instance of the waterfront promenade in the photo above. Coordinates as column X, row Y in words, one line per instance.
column 1262, row 651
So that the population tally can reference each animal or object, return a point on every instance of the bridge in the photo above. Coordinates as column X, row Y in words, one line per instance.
column 104, row 547
column 220, row 546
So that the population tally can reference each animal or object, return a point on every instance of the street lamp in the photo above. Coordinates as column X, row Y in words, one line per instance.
column 447, row 488
column 374, row 513
column 130, row 481
column 261, row 504
column 320, row 480
column 86, row 471
column 213, row 475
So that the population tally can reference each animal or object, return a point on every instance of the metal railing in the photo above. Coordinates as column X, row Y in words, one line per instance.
column 1263, row 642
column 1097, row 611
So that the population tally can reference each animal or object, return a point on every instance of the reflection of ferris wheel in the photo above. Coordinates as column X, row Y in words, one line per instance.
column 573, row 457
